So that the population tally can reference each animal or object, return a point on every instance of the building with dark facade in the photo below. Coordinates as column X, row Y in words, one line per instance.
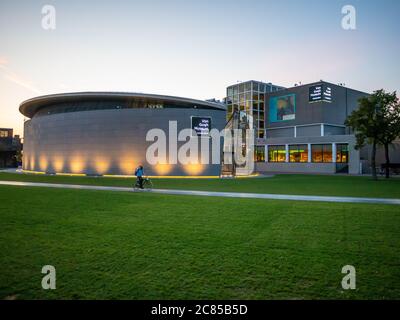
column 103, row 133
column 304, row 131
column 10, row 148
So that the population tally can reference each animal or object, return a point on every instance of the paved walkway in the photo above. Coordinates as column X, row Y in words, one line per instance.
column 209, row 193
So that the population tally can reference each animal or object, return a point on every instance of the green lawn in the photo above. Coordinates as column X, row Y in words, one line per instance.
column 108, row 245
column 280, row 184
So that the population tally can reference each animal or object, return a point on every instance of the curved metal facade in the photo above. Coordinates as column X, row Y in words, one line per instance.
column 109, row 141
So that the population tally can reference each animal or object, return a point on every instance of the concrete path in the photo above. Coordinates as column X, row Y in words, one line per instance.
column 210, row 193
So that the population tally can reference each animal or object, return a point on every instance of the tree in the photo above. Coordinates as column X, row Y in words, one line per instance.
column 376, row 121
column 390, row 130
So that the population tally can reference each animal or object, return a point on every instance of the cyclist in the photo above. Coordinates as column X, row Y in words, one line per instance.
column 139, row 172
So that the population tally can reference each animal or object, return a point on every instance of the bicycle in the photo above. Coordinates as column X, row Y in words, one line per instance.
column 147, row 184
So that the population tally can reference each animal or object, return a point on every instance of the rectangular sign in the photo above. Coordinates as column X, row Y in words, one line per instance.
column 315, row 93
column 282, row 108
column 327, row 93
column 320, row 93
column 201, row 125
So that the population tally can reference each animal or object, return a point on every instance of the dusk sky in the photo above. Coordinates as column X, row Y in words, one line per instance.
column 191, row 48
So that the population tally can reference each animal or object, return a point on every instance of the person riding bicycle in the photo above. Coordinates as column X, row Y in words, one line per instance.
column 139, row 172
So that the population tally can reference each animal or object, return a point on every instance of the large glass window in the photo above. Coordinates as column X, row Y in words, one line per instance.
column 259, row 154
column 3, row 134
column 248, row 86
column 298, row 153
column 230, row 92
column 276, row 153
column 241, row 88
column 255, row 86
column 342, row 153
column 321, row 152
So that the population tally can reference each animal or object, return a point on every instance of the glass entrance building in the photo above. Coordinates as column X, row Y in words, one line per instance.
column 301, row 129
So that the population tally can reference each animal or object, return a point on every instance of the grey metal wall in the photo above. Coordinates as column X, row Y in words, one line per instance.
column 108, row 141
column 344, row 101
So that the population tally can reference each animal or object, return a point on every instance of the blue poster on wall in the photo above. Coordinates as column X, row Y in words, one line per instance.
column 282, row 108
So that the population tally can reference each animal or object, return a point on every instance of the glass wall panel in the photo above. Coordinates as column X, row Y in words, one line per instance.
column 241, row 88
column 235, row 90
column 247, row 86
column 229, row 92
column 298, row 153
column 276, row 153
column 342, row 153
column 255, row 86
column 321, row 152
column 327, row 153
column 259, row 154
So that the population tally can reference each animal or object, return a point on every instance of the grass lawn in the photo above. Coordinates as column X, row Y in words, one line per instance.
column 355, row 186
column 108, row 245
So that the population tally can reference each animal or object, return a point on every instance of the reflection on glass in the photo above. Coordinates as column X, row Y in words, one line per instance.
column 342, row 153
column 276, row 153
column 321, row 152
column 259, row 154
column 298, row 153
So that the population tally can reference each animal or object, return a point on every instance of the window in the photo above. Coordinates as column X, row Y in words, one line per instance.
column 261, row 134
column 321, row 152
column 298, row 153
column 230, row 91
column 255, row 86
column 259, row 154
column 3, row 134
column 342, row 153
column 248, row 86
column 235, row 90
column 276, row 154
column 241, row 88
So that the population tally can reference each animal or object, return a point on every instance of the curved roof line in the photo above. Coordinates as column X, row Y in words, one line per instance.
column 29, row 107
